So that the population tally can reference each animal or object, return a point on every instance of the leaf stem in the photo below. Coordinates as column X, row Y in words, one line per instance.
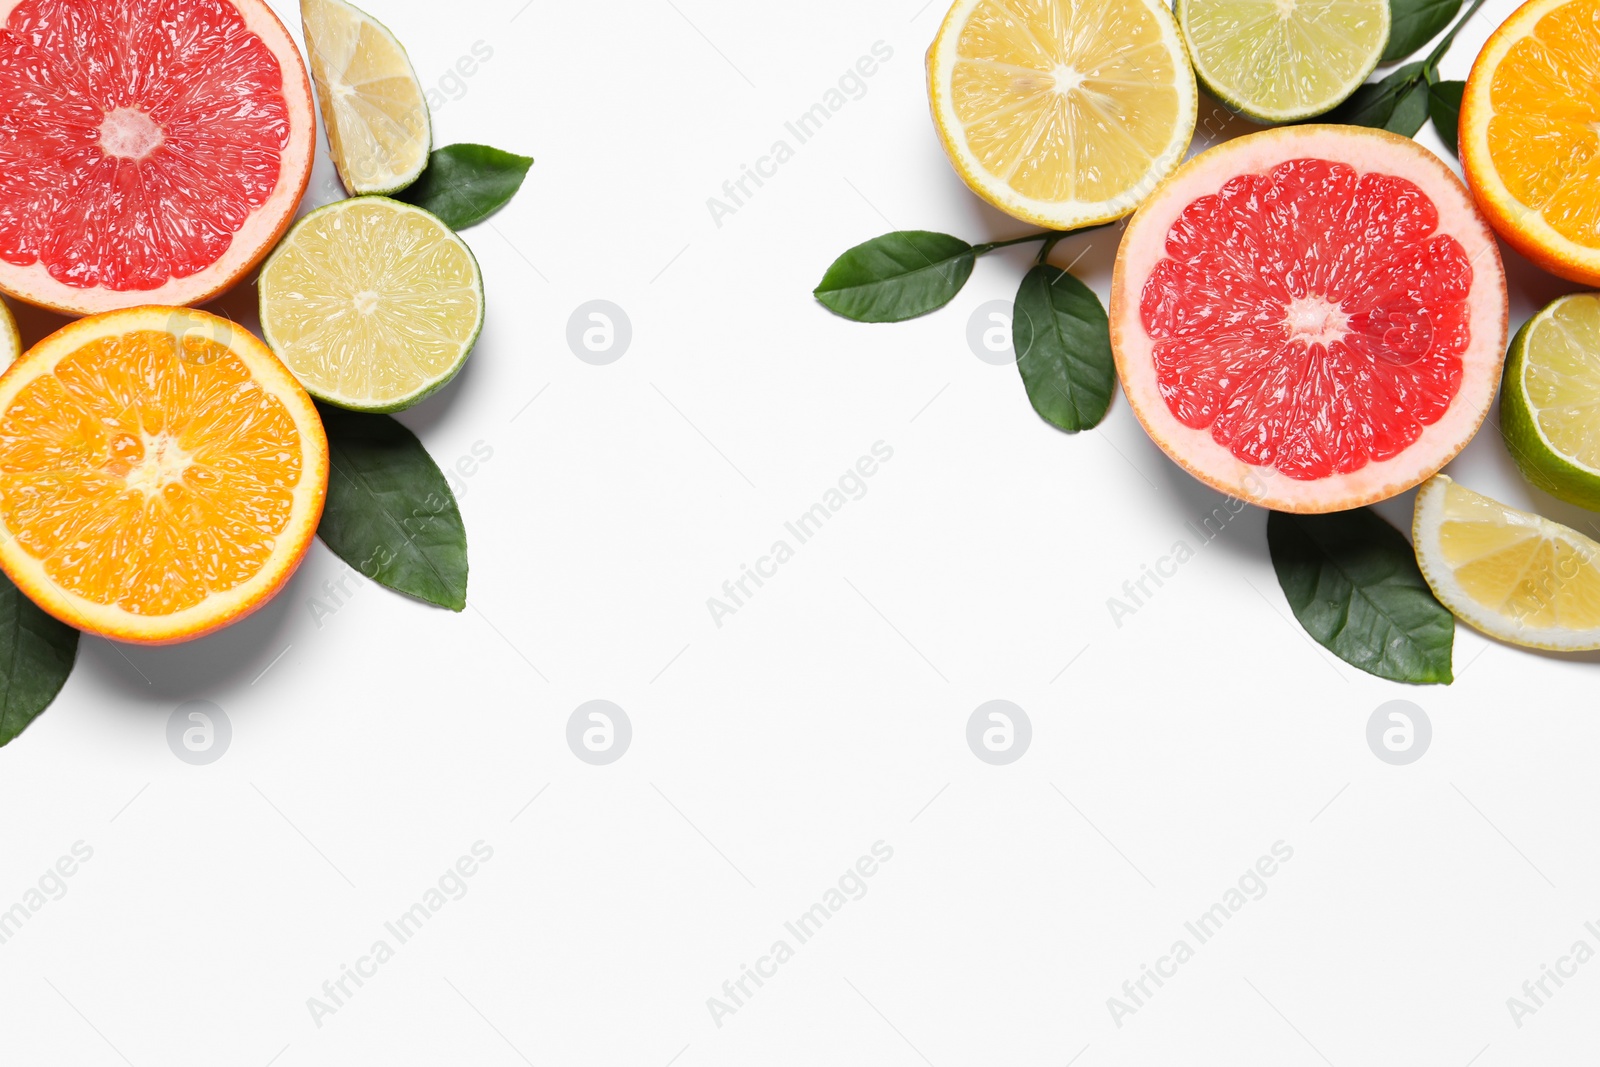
column 1045, row 249
column 1050, row 237
column 985, row 249
column 1432, row 62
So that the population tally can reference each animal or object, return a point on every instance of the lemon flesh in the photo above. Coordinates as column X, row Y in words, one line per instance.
column 1509, row 573
column 1064, row 113
column 373, row 304
column 373, row 107
column 1284, row 60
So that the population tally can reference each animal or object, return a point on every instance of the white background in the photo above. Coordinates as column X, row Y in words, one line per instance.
column 371, row 751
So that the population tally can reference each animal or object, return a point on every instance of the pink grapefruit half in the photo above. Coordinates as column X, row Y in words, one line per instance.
column 151, row 151
column 1310, row 318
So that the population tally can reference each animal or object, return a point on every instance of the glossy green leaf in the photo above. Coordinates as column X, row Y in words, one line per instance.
column 36, row 656
column 1389, row 104
column 1353, row 582
column 1444, row 105
column 897, row 276
column 1062, row 339
column 1410, row 111
column 466, row 183
column 1413, row 23
column 390, row 513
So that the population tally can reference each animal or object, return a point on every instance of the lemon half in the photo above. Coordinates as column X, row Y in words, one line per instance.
column 1063, row 113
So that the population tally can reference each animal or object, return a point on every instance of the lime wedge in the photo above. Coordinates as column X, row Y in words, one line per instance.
column 373, row 304
column 1550, row 402
column 373, row 107
column 1283, row 60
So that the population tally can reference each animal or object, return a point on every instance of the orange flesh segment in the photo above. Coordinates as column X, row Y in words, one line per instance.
column 1544, row 134
column 148, row 473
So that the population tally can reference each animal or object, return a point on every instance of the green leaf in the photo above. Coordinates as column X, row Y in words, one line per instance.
column 1444, row 105
column 1410, row 111
column 1413, row 23
column 1062, row 339
column 390, row 513
column 466, row 183
column 897, row 276
column 1353, row 582
column 36, row 655
column 1376, row 103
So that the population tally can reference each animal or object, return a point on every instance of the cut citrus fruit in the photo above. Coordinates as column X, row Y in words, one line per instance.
column 1063, row 113
column 1283, row 60
column 1550, row 406
column 153, row 150
column 372, row 303
column 1529, row 146
column 10, row 339
column 1310, row 318
column 161, row 474
column 1509, row 573
column 373, row 107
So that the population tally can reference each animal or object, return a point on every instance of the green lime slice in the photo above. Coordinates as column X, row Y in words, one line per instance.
column 373, row 304
column 1283, row 60
column 1550, row 402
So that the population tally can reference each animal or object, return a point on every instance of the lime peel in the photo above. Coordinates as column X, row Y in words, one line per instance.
column 1277, row 61
column 372, row 303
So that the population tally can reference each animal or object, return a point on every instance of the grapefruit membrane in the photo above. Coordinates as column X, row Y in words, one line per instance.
column 154, row 150
column 1310, row 318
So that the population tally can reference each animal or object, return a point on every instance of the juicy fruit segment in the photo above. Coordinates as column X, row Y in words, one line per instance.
column 372, row 303
column 143, row 137
column 149, row 500
column 1562, row 377
column 1310, row 317
column 373, row 107
column 157, row 476
column 1060, row 111
column 1038, row 108
column 1281, row 60
column 1550, row 408
column 1542, row 138
column 1529, row 146
column 1509, row 573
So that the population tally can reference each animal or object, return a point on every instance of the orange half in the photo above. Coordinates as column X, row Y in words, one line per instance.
column 161, row 474
column 1530, row 135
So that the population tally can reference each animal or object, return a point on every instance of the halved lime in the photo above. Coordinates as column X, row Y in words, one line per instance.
column 373, row 107
column 1283, row 60
column 1550, row 402
column 373, row 304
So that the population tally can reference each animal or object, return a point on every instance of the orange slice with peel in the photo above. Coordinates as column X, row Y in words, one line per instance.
column 1530, row 134
column 161, row 474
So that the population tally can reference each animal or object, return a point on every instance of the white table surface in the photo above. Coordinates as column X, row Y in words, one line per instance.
column 374, row 746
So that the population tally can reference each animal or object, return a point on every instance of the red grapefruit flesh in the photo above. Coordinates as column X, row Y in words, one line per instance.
column 1310, row 318
column 152, row 151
